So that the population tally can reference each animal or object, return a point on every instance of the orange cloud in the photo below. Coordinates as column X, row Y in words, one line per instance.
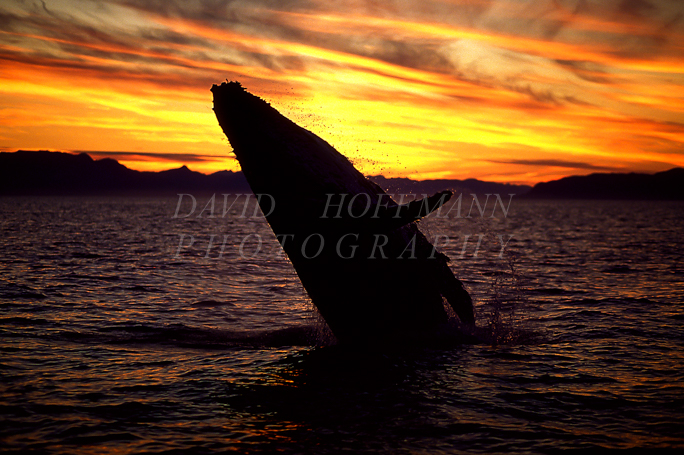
column 501, row 90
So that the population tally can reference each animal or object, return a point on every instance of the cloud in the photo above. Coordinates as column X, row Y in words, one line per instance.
column 176, row 157
column 561, row 78
column 558, row 163
column 636, row 8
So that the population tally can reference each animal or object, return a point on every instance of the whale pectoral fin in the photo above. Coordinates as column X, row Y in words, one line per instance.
column 423, row 207
column 453, row 291
column 400, row 215
column 383, row 218
column 459, row 299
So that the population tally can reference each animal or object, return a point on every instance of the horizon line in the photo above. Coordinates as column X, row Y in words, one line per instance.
column 185, row 158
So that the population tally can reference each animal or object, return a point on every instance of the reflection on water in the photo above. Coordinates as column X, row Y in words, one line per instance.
column 115, row 340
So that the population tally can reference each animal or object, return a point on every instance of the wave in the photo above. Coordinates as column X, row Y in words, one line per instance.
column 181, row 335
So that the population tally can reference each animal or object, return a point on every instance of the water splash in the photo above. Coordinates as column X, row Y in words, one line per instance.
column 504, row 312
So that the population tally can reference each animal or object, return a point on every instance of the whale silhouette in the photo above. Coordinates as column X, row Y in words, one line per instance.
column 370, row 272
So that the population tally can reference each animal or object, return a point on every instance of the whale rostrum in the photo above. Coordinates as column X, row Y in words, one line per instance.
column 368, row 269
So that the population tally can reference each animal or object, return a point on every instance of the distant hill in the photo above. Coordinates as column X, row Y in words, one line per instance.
column 57, row 173
column 405, row 185
column 667, row 185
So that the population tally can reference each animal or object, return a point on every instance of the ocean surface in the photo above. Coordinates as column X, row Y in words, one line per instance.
column 135, row 326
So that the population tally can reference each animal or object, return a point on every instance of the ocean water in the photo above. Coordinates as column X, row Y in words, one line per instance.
column 127, row 329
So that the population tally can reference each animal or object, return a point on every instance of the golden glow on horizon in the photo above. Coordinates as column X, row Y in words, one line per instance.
column 499, row 90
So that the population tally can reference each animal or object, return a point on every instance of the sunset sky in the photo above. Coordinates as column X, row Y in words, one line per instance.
column 500, row 90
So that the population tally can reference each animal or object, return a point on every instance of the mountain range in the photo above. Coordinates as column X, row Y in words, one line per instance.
column 59, row 173
column 666, row 185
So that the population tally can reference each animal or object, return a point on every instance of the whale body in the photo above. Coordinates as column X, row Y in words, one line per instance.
column 370, row 272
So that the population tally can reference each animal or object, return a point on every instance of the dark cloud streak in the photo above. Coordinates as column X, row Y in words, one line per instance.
column 175, row 157
column 557, row 163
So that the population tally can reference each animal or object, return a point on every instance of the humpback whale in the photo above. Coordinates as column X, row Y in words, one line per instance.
column 371, row 273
